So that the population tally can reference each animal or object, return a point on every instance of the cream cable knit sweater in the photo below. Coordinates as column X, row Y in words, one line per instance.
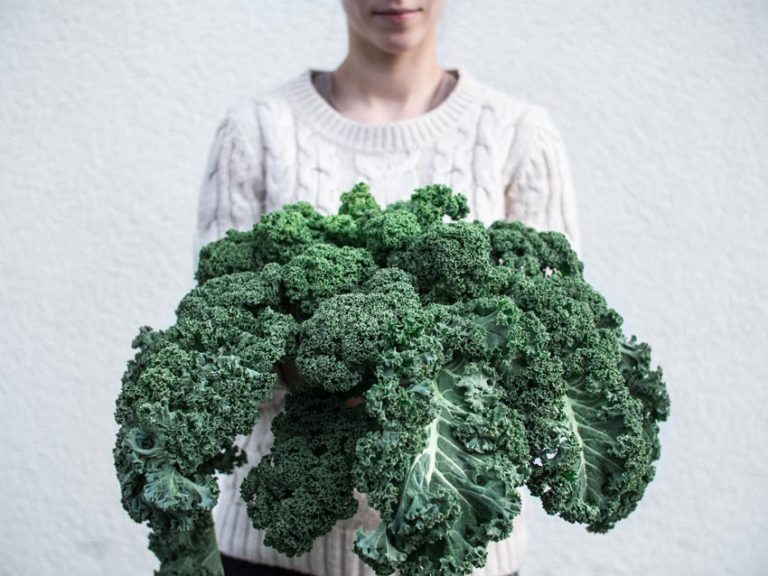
column 290, row 144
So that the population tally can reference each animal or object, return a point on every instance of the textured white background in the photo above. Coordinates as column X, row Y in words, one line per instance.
column 107, row 112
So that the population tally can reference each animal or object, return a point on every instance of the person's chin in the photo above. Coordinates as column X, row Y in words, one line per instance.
column 397, row 42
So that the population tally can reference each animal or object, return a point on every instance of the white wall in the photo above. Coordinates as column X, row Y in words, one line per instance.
column 108, row 109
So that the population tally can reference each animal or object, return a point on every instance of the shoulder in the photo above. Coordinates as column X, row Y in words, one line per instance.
column 253, row 115
column 520, row 124
column 512, row 110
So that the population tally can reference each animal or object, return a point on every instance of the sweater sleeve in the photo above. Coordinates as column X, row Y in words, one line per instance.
column 232, row 191
column 540, row 192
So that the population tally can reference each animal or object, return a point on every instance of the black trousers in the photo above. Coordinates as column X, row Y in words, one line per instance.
column 235, row 567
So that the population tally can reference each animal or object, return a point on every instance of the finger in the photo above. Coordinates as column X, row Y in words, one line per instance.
column 353, row 401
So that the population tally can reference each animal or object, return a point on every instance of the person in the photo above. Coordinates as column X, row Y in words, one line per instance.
column 388, row 115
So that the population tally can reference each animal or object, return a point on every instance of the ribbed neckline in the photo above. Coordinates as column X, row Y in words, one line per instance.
column 403, row 134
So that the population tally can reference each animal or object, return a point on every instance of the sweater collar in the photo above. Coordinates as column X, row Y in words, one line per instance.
column 403, row 134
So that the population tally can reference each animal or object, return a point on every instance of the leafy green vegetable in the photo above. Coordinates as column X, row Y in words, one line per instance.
column 315, row 441
column 454, row 487
column 486, row 361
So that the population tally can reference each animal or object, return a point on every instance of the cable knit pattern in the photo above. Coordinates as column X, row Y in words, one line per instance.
column 233, row 192
column 290, row 144
column 540, row 189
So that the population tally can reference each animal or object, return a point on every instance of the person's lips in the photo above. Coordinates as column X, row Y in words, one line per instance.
column 397, row 14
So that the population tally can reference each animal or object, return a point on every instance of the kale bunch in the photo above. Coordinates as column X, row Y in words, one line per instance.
column 485, row 359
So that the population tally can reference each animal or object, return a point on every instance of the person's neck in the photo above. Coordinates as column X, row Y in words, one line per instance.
column 371, row 86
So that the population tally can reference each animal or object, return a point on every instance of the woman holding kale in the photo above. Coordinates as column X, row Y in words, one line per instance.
column 389, row 115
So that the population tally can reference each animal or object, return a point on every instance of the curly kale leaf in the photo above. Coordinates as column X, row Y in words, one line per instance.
column 357, row 207
column 185, row 544
column 179, row 412
column 644, row 384
column 591, row 455
column 343, row 340
column 522, row 248
column 445, row 466
column 234, row 252
column 647, row 386
column 451, row 262
column 185, row 396
column 322, row 271
column 282, row 234
column 305, row 484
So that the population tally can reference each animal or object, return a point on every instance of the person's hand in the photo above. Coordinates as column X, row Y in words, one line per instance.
column 353, row 401
column 292, row 379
